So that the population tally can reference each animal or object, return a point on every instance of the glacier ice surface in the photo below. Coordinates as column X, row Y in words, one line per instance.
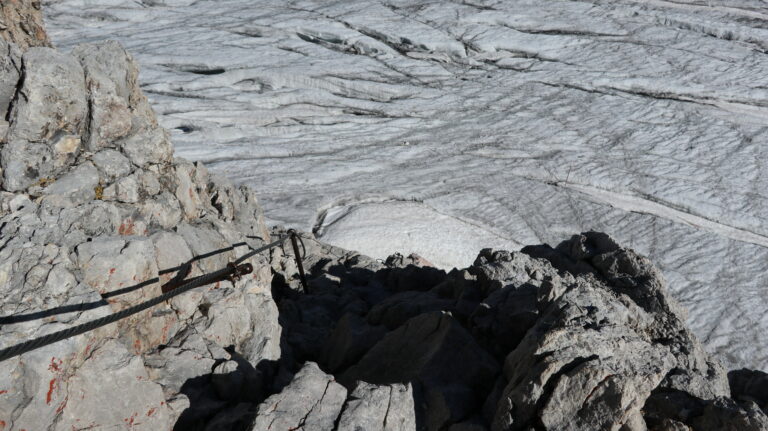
column 487, row 123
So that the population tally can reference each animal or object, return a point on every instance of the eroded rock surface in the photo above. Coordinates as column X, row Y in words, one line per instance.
column 93, row 208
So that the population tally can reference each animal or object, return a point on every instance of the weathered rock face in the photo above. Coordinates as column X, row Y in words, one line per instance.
column 92, row 206
column 21, row 22
column 587, row 336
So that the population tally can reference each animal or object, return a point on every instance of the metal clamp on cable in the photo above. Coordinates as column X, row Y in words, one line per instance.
column 292, row 233
column 239, row 270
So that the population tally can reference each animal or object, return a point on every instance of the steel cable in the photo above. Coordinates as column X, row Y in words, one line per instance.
column 36, row 343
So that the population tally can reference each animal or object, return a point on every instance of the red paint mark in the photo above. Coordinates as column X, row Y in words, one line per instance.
column 137, row 346
column 54, row 367
column 126, row 228
column 162, row 403
column 2, row 425
column 131, row 419
column 87, row 349
column 51, row 386
column 61, row 406
column 3, row 392
column 112, row 271
column 151, row 411
column 191, row 196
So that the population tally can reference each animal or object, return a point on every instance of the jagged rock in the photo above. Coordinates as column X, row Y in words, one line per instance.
column 398, row 308
column 349, row 341
column 312, row 401
column 586, row 364
column 749, row 385
column 51, row 104
column 120, row 115
column 108, row 92
column 397, row 260
column 632, row 275
column 10, row 71
column 79, row 185
column 512, row 283
column 378, row 408
column 672, row 410
column 447, row 367
column 111, row 164
column 21, row 22
column 77, row 247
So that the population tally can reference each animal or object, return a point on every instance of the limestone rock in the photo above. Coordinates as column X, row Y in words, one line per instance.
column 434, row 351
column 51, row 104
column 312, row 401
column 349, row 341
column 379, row 408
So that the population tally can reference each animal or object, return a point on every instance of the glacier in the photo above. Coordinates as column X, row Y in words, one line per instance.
column 442, row 127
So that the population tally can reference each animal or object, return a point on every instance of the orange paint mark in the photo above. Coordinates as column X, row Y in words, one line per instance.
column 151, row 411
column 51, row 386
column 2, row 425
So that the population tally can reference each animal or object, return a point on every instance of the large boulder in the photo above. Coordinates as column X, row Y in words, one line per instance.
column 312, row 401
column 432, row 351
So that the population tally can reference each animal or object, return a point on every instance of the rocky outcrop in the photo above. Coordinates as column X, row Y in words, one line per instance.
column 93, row 208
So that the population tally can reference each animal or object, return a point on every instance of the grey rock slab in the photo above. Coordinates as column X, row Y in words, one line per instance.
column 312, row 401
column 79, row 185
column 434, row 352
column 112, row 164
column 51, row 102
column 350, row 339
column 110, row 116
column 112, row 390
column 378, row 408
